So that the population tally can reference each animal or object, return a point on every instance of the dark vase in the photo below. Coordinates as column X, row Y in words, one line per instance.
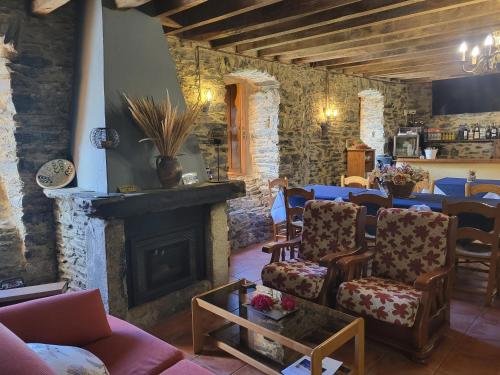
column 400, row 191
column 169, row 171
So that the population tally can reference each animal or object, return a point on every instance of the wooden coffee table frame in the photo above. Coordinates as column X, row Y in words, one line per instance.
column 355, row 329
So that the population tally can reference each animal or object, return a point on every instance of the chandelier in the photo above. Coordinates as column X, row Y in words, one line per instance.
column 485, row 59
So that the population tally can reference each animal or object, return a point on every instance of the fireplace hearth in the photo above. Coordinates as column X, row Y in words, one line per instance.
column 148, row 253
column 165, row 253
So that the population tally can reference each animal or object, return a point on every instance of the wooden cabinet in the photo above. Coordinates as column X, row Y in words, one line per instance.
column 360, row 161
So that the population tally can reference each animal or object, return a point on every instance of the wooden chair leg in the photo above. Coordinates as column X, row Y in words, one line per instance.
column 491, row 288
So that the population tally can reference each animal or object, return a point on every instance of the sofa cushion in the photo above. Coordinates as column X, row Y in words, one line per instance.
column 76, row 319
column 387, row 300
column 185, row 367
column 17, row 359
column 130, row 350
column 295, row 276
column 69, row 360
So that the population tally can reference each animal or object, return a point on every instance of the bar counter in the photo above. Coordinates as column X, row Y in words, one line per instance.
column 440, row 168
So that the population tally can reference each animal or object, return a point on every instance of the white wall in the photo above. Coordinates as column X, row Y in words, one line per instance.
column 90, row 162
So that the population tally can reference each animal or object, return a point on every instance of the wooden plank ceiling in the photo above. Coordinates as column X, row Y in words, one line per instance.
column 389, row 39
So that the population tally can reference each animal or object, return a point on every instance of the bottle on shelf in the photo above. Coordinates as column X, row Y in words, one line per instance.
column 482, row 132
column 477, row 131
column 488, row 133
column 466, row 133
column 494, row 132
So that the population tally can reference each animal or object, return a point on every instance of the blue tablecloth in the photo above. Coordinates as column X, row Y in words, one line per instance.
column 434, row 201
column 455, row 187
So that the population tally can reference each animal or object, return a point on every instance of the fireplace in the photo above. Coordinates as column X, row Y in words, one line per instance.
column 165, row 252
column 148, row 253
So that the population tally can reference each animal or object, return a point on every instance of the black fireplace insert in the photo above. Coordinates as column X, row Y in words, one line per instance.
column 165, row 252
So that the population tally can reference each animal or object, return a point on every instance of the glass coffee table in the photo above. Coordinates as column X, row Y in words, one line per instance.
column 272, row 345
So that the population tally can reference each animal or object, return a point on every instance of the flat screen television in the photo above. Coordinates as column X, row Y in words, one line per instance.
column 466, row 95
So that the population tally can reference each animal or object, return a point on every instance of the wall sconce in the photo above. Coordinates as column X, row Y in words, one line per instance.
column 330, row 114
column 208, row 100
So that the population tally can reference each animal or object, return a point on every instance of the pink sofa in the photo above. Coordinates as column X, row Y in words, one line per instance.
column 79, row 319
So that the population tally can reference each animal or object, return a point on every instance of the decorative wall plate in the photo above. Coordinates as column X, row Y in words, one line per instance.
column 55, row 174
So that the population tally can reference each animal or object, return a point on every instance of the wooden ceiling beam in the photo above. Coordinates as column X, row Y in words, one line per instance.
column 43, row 7
column 398, row 53
column 277, row 13
column 299, row 26
column 287, row 33
column 405, row 46
column 395, row 60
column 404, row 64
column 392, row 55
column 457, row 19
column 428, row 75
column 167, row 8
column 209, row 12
column 437, row 32
column 434, row 66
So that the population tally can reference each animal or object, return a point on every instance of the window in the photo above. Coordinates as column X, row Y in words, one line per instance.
column 236, row 128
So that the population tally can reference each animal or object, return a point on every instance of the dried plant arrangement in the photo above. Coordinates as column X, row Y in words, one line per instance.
column 167, row 127
column 163, row 123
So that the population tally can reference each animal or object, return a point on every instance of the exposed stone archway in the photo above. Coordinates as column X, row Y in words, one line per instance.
column 249, row 219
column 371, row 119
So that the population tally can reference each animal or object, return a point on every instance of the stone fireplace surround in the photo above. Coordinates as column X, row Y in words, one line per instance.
column 91, row 231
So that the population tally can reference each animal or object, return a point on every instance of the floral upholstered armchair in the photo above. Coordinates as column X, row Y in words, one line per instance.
column 330, row 231
column 406, row 299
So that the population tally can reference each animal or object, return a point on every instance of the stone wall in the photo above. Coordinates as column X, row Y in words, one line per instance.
column 420, row 98
column 36, row 87
column 305, row 156
column 372, row 120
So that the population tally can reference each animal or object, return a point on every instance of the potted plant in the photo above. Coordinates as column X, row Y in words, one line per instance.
column 167, row 127
column 399, row 181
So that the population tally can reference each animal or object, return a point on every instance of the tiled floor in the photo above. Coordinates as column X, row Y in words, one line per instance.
column 472, row 345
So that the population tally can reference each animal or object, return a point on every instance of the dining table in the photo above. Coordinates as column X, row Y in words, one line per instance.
column 416, row 200
column 455, row 187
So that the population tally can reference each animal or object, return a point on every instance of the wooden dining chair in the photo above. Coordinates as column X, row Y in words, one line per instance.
column 473, row 189
column 294, row 215
column 477, row 246
column 275, row 186
column 354, row 181
column 372, row 202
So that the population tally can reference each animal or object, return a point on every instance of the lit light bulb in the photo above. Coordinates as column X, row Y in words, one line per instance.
column 463, row 50
column 328, row 113
column 474, row 54
column 335, row 113
column 488, row 41
column 208, row 95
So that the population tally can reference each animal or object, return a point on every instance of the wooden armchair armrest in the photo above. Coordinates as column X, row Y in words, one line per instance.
column 354, row 264
column 350, row 261
column 426, row 281
column 275, row 248
column 332, row 258
column 271, row 247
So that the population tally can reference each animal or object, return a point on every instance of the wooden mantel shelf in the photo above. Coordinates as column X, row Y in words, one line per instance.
column 126, row 205
column 448, row 161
